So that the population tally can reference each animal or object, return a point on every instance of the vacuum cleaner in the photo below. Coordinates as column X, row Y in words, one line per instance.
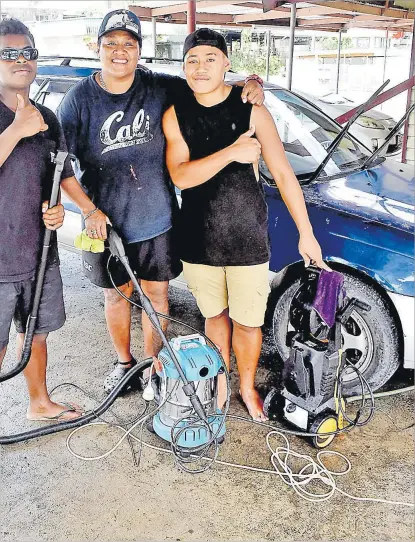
column 184, row 387
column 311, row 395
column 202, row 365
column 185, row 384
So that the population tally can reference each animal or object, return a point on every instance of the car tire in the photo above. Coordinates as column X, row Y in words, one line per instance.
column 373, row 334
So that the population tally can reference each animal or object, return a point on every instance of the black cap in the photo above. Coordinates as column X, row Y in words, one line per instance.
column 205, row 36
column 121, row 19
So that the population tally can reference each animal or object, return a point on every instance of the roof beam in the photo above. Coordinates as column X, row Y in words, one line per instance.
column 182, row 8
column 284, row 13
column 326, row 21
column 392, row 24
column 342, row 5
column 140, row 12
column 318, row 10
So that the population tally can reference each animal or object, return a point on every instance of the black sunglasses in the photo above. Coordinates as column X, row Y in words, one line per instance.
column 10, row 55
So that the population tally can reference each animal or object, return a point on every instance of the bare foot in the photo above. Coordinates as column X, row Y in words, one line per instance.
column 222, row 390
column 254, row 404
column 53, row 412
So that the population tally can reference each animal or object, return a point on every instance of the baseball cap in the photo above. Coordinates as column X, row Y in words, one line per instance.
column 121, row 19
column 205, row 36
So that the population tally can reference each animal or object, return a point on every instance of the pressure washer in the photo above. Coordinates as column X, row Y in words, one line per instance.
column 312, row 374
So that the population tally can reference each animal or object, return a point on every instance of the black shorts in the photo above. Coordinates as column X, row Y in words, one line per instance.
column 16, row 305
column 156, row 260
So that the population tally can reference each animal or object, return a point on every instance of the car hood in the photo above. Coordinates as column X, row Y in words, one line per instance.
column 382, row 194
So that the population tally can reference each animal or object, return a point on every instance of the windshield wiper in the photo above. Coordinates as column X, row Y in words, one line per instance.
column 39, row 91
column 393, row 132
column 336, row 142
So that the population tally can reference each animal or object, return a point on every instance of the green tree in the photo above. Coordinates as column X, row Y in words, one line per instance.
column 247, row 60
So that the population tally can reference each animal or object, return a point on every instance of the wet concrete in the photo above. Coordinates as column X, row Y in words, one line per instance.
column 47, row 494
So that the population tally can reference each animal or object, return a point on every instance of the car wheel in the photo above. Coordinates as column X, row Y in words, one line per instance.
column 369, row 339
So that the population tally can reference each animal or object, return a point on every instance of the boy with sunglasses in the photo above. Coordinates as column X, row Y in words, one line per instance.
column 28, row 137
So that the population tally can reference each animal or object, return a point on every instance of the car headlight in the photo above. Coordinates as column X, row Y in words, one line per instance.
column 369, row 122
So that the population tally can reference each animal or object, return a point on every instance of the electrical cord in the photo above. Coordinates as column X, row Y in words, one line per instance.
column 310, row 472
column 118, row 418
column 382, row 394
column 363, row 381
column 181, row 454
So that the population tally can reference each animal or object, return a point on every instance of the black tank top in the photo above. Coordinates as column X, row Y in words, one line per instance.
column 223, row 221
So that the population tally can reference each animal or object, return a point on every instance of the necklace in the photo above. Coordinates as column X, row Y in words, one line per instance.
column 101, row 80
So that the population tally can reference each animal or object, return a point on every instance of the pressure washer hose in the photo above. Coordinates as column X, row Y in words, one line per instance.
column 381, row 394
column 40, row 278
column 82, row 420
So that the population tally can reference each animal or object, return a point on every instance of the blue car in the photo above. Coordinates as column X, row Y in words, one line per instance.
column 362, row 216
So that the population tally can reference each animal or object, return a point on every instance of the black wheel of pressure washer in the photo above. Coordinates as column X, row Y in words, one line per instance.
column 271, row 403
column 323, row 424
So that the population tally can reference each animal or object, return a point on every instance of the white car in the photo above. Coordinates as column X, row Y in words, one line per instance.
column 371, row 128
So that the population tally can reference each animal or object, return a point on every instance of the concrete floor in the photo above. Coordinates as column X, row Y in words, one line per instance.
column 47, row 494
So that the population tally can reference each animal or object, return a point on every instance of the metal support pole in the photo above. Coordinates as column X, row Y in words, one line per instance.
column 154, row 35
column 191, row 16
column 385, row 56
column 409, row 99
column 293, row 19
column 339, row 48
column 268, row 54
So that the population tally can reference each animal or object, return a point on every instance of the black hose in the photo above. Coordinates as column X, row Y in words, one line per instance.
column 82, row 420
column 32, row 320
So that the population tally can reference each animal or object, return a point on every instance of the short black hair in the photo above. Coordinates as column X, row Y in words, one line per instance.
column 14, row 27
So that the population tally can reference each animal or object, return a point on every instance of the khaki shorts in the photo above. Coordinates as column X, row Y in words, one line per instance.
column 244, row 289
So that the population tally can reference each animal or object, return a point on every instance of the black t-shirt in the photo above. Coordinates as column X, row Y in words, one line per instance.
column 120, row 145
column 223, row 221
column 25, row 181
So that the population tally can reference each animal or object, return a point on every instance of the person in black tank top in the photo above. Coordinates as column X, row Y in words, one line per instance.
column 212, row 156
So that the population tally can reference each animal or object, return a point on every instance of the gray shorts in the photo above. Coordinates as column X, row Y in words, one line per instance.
column 16, row 301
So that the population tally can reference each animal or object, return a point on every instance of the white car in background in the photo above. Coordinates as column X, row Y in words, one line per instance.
column 371, row 128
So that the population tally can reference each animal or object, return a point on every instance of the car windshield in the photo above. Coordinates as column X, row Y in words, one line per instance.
column 306, row 134
column 50, row 91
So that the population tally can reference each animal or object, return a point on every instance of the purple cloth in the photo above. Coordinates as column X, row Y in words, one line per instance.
column 329, row 296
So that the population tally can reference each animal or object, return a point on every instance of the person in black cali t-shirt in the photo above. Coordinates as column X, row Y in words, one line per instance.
column 112, row 124
column 212, row 157
column 29, row 135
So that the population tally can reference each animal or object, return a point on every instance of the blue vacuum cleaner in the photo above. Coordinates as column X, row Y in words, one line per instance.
column 202, row 365
column 185, row 387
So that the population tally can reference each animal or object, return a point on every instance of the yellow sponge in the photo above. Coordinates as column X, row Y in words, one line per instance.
column 83, row 242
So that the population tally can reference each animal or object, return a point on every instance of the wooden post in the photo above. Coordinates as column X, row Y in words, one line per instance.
column 191, row 16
